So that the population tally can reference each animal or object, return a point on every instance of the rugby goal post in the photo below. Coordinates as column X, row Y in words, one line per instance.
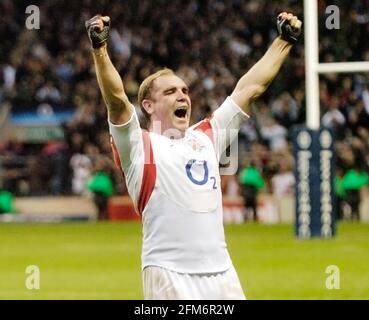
column 313, row 145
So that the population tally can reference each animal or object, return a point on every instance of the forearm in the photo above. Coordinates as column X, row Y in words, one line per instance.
column 259, row 77
column 111, row 86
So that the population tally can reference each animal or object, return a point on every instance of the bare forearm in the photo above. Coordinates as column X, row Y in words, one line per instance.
column 259, row 77
column 266, row 69
column 111, row 87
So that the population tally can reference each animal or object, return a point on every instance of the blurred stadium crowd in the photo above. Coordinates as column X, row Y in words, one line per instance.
column 210, row 44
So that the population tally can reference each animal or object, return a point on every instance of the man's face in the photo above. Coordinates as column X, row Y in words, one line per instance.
column 170, row 104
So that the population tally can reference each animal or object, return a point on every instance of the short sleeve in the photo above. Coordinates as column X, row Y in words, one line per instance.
column 226, row 123
column 127, row 145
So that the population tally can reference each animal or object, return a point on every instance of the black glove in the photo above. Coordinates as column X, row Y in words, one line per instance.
column 97, row 37
column 286, row 32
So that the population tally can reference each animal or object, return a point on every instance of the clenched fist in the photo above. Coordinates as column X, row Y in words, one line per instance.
column 289, row 27
column 98, row 30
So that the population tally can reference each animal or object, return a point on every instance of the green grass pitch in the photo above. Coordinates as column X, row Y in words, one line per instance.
column 102, row 261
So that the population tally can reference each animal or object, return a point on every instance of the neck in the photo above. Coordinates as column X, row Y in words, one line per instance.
column 171, row 133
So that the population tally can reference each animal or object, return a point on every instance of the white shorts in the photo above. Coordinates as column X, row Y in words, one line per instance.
column 163, row 284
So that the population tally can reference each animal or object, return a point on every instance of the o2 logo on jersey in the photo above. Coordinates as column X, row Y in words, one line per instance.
column 205, row 178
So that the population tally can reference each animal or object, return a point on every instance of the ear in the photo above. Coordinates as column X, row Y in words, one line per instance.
column 148, row 106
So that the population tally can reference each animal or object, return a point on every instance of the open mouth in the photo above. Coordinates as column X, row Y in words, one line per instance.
column 181, row 112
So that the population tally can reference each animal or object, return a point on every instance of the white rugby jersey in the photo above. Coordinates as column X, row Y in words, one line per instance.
column 175, row 186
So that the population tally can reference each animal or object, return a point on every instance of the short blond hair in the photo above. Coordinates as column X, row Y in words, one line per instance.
column 144, row 92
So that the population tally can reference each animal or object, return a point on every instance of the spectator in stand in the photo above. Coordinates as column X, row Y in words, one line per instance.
column 285, row 110
column 48, row 93
column 334, row 118
column 358, row 117
column 275, row 135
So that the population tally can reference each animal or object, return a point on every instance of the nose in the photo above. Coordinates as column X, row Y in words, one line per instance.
column 181, row 96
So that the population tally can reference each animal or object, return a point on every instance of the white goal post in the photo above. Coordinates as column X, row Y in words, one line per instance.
column 313, row 68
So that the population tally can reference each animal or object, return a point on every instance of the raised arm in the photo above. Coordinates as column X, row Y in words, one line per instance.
column 258, row 78
column 110, row 82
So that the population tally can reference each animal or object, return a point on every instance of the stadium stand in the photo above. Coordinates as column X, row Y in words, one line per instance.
column 53, row 120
